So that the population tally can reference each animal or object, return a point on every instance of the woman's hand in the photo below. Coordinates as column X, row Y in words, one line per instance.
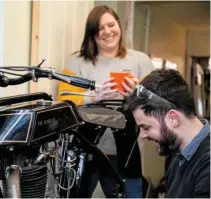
column 105, row 91
column 130, row 86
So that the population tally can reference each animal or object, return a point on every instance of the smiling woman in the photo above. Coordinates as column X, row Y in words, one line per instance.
column 109, row 35
column 103, row 35
column 102, row 52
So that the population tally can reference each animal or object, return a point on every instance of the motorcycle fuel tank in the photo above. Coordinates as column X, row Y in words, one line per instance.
column 35, row 122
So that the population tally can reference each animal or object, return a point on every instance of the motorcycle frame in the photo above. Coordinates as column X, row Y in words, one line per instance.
column 14, row 173
column 98, row 153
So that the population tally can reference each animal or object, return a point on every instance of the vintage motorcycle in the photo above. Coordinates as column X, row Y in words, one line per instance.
column 39, row 136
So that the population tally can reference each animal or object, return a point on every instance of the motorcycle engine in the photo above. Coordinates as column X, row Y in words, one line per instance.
column 24, row 129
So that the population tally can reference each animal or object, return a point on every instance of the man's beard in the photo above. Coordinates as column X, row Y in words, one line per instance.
column 170, row 142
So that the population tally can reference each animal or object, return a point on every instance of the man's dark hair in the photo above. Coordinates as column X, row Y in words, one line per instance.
column 169, row 85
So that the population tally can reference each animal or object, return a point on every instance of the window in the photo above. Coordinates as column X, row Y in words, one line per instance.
column 170, row 65
column 157, row 62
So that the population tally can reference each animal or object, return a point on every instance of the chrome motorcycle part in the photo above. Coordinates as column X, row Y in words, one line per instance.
column 13, row 175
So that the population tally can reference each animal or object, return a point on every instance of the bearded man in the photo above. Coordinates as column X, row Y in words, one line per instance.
column 164, row 110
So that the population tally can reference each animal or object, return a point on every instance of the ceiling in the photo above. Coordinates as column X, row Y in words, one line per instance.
column 188, row 13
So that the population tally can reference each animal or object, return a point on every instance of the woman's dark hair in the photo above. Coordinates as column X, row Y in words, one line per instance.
column 169, row 85
column 89, row 49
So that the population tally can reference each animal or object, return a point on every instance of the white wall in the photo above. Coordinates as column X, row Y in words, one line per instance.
column 61, row 31
column 176, row 29
column 1, row 32
column 167, row 39
column 139, row 35
column 199, row 42
column 112, row 4
column 15, row 33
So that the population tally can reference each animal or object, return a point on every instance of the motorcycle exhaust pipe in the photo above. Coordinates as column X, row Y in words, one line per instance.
column 13, row 174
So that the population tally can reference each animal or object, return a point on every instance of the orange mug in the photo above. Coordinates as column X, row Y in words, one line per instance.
column 120, row 77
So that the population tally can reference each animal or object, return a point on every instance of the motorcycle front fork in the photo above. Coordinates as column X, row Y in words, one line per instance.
column 69, row 157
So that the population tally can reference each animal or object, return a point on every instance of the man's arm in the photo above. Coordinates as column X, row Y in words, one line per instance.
column 202, row 180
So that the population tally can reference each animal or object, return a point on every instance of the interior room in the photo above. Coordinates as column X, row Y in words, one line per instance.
column 174, row 34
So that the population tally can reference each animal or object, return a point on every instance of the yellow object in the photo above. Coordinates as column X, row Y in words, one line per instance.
column 78, row 100
column 142, row 78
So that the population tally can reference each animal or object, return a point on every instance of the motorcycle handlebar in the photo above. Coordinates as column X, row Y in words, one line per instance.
column 36, row 73
column 75, row 81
